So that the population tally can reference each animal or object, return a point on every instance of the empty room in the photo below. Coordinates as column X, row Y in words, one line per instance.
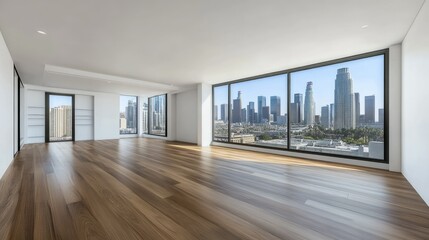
column 227, row 119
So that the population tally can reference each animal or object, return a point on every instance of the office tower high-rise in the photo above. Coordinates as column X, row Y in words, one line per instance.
column 331, row 115
column 60, row 122
column 243, row 115
column 224, row 112
column 236, row 109
column 357, row 108
column 344, row 100
column 370, row 109
column 294, row 113
column 131, row 114
column 362, row 118
column 262, row 102
column 317, row 119
column 325, row 118
column 265, row 114
column 309, row 111
column 275, row 107
column 145, row 117
column 251, row 113
column 215, row 113
column 300, row 107
column 381, row 115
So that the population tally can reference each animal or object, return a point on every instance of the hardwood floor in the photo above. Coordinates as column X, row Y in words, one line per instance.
column 152, row 189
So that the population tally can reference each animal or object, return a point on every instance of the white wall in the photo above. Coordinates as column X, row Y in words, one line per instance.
column 395, row 108
column 204, row 101
column 84, row 117
column 415, row 110
column 106, row 112
column 186, row 116
column 6, row 106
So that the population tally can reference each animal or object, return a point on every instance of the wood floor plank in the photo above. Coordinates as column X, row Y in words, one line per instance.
column 87, row 226
column 154, row 189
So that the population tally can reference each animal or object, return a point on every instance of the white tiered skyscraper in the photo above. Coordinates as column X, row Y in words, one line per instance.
column 309, row 106
column 344, row 100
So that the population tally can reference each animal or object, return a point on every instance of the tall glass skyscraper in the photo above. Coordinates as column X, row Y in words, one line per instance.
column 236, row 109
column 309, row 105
column 370, row 109
column 262, row 102
column 344, row 100
column 275, row 107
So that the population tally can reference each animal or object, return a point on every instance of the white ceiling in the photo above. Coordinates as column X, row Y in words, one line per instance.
column 190, row 41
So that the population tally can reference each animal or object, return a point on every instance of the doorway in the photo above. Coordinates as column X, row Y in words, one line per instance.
column 59, row 115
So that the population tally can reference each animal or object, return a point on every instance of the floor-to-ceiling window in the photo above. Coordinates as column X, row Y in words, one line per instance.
column 157, row 110
column 259, row 112
column 220, row 113
column 59, row 117
column 335, row 108
column 128, row 111
column 342, row 108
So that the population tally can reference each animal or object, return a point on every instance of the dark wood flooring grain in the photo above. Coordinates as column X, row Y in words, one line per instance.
column 153, row 189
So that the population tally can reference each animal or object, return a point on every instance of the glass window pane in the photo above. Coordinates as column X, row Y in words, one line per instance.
column 158, row 115
column 128, row 115
column 220, row 114
column 60, row 118
column 339, row 109
column 145, row 116
column 259, row 112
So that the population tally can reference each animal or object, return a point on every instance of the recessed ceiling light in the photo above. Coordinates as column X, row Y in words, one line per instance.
column 41, row 32
column 364, row 26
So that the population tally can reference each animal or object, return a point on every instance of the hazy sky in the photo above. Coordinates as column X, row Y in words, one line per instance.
column 58, row 100
column 367, row 75
column 124, row 102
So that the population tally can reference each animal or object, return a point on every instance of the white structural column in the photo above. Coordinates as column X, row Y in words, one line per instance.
column 171, row 117
column 204, row 114
column 395, row 108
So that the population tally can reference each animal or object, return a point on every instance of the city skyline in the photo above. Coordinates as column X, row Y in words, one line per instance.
column 367, row 75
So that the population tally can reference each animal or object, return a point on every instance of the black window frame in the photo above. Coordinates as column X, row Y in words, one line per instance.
column 149, row 132
column 383, row 52
column 137, row 114
column 47, row 120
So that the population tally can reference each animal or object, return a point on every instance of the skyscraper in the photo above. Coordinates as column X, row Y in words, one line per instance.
column 262, row 102
column 131, row 114
column 370, row 109
column 224, row 112
column 60, row 122
column 294, row 114
column 344, row 100
column 381, row 115
column 357, row 108
column 265, row 114
column 331, row 115
column 215, row 112
column 275, row 107
column 243, row 115
column 325, row 118
column 236, row 109
column 300, row 107
column 251, row 112
column 145, row 117
column 309, row 111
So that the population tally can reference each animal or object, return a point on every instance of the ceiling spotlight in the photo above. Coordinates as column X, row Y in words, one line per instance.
column 364, row 26
column 41, row 32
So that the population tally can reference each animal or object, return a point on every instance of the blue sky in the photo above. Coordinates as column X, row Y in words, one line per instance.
column 124, row 102
column 58, row 100
column 367, row 75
